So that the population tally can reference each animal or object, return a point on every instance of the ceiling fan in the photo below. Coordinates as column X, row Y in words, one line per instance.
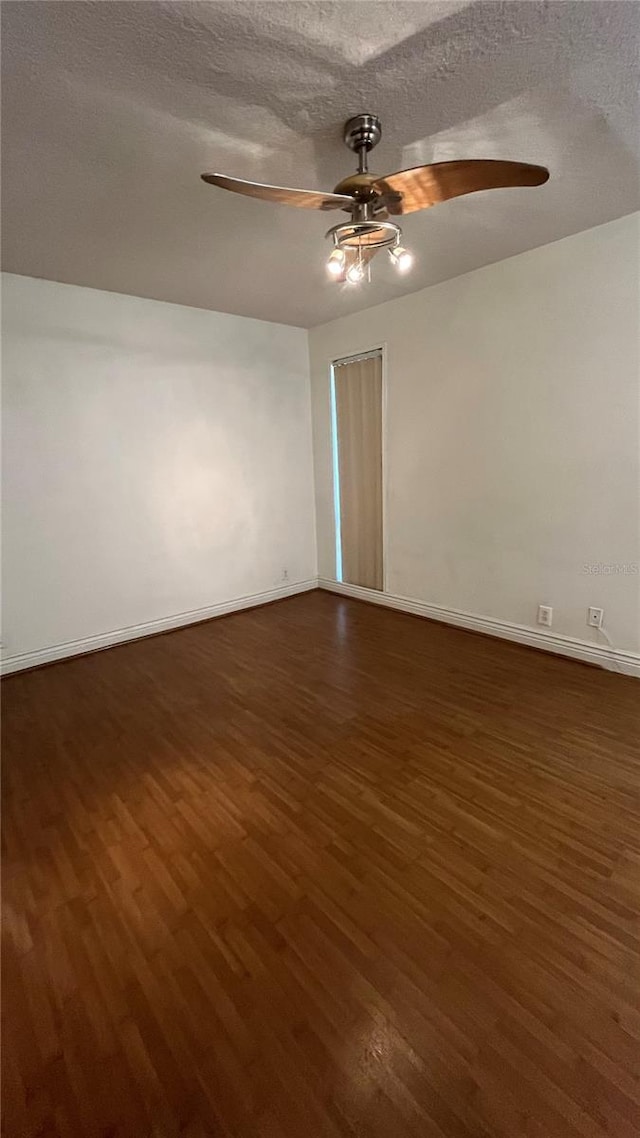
column 371, row 198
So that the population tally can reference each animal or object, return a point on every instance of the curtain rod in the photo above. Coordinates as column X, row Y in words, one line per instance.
column 375, row 353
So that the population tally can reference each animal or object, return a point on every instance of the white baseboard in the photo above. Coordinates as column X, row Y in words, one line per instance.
column 616, row 660
column 613, row 659
column 133, row 632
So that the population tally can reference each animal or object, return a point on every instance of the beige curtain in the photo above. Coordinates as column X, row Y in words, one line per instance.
column 358, row 389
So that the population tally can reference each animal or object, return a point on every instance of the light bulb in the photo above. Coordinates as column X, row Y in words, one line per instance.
column 335, row 264
column 401, row 258
column 355, row 273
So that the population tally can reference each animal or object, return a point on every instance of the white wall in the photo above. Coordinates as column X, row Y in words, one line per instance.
column 511, row 435
column 157, row 460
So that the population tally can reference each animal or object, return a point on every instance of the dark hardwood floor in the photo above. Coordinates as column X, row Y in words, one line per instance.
column 321, row 869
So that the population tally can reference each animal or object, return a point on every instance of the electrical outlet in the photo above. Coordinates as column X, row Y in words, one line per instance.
column 595, row 618
column 545, row 615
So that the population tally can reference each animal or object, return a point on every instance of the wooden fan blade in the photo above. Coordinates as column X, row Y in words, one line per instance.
column 424, row 186
column 304, row 199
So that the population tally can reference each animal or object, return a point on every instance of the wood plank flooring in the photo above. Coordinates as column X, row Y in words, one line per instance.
column 321, row 869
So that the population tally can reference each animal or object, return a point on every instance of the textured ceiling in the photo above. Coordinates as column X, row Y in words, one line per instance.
column 112, row 110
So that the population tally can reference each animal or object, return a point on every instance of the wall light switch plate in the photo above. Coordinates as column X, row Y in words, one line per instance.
column 545, row 615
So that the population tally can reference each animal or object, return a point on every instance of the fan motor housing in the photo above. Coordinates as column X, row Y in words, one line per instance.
column 358, row 186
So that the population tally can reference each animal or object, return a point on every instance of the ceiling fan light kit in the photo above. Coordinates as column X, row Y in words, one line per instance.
column 355, row 243
column 370, row 198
